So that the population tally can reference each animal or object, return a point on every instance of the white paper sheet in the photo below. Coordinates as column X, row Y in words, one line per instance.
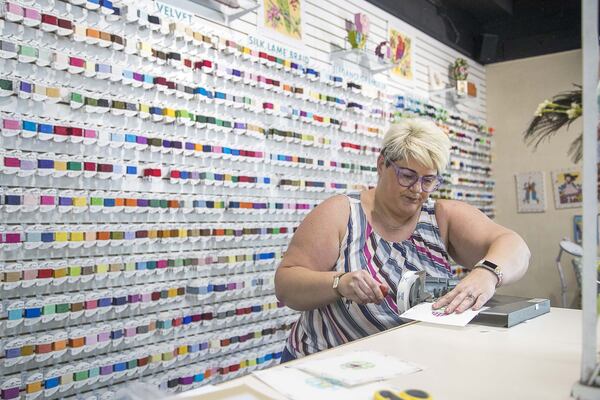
column 299, row 385
column 358, row 367
column 424, row 312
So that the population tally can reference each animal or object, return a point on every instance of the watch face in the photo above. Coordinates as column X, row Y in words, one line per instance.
column 489, row 264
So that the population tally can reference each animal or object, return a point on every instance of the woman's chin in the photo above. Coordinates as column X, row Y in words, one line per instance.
column 411, row 202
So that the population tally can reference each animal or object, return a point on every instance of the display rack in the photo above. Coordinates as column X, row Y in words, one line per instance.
column 450, row 97
column 151, row 177
column 365, row 59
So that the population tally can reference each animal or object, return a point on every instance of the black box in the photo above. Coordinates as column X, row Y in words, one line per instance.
column 507, row 311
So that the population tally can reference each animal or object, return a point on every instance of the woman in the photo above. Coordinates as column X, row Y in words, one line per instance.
column 346, row 258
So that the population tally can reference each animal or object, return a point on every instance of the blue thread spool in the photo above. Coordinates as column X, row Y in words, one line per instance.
column 45, row 164
column 122, row 366
column 34, row 312
column 47, row 237
column 119, row 301
column 29, row 126
column 13, row 200
column 109, row 202
column 45, row 128
column 116, row 334
column 51, row 383
column 104, row 302
column 12, row 353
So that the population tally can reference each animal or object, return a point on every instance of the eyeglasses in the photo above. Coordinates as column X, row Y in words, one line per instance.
column 408, row 177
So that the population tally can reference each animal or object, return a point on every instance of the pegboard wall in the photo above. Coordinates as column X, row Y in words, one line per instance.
column 151, row 176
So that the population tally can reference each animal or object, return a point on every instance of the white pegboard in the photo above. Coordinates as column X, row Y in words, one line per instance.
column 290, row 182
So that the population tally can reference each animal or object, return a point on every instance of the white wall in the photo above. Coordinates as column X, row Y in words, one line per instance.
column 325, row 32
column 516, row 88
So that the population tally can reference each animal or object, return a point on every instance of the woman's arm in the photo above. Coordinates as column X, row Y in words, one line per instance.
column 304, row 279
column 471, row 236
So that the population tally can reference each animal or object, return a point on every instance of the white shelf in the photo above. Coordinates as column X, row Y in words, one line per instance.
column 449, row 96
column 365, row 59
column 214, row 10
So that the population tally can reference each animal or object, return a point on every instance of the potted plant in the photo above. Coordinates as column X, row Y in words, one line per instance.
column 358, row 31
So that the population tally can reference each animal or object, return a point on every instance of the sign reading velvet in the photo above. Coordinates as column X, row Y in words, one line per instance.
column 173, row 13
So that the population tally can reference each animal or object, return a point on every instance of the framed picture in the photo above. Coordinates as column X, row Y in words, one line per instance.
column 531, row 192
column 567, row 188
column 402, row 54
column 282, row 20
column 577, row 228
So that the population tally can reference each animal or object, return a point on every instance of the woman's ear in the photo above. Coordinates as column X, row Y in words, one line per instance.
column 380, row 164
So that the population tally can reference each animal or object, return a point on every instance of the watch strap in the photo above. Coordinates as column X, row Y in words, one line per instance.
column 492, row 267
column 336, row 282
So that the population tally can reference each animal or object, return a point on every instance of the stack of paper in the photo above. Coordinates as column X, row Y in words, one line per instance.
column 358, row 367
column 299, row 385
column 351, row 376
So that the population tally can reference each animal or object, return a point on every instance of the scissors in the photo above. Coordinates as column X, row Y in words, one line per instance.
column 410, row 394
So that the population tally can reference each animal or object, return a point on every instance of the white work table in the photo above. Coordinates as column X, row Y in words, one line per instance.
column 538, row 359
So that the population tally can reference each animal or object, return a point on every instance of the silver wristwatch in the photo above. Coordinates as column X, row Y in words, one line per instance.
column 492, row 267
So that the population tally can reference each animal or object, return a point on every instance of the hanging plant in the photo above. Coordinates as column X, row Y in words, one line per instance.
column 551, row 115
column 459, row 70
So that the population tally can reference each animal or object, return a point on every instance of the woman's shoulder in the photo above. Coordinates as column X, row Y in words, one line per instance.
column 335, row 206
column 329, row 218
column 449, row 210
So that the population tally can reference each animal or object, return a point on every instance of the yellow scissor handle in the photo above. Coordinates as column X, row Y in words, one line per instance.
column 385, row 395
column 410, row 394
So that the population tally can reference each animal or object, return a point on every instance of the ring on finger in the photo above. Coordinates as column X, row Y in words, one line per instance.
column 471, row 297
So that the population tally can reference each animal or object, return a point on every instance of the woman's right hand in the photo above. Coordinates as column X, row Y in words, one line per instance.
column 361, row 287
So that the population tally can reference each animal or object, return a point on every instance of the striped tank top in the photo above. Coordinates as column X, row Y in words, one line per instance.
column 363, row 248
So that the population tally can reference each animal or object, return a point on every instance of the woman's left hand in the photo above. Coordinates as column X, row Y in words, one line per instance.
column 471, row 292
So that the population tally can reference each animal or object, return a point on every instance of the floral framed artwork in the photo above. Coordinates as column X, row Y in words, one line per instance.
column 567, row 188
column 283, row 18
column 531, row 192
column 402, row 54
column 578, row 229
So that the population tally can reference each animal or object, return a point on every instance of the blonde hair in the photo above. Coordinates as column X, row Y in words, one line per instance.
column 418, row 139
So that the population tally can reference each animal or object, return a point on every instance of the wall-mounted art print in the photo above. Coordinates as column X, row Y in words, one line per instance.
column 283, row 18
column 567, row 184
column 402, row 54
column 531, row 196
column 578, row 229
